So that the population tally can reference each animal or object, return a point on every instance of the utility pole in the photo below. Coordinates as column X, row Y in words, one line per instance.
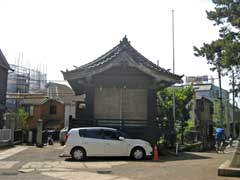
column 220, row 97
column 233, row 105
column 173, row 51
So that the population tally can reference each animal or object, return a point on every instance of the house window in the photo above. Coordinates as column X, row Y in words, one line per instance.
column 53, row 109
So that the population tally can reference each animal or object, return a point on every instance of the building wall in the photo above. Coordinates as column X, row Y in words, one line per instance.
column 121, row 76
column 204, row 93
column 230, row 124
column 47, row 116
column 213, row 94
column 3, row 88
column 36, row 115
column 120, row 103
column 121, row 93
column 42, row 111
column 107, row 103
column 204, row 121
column 70, row 109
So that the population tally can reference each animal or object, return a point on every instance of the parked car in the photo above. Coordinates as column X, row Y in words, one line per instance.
column 62, row 135
column 101, row 141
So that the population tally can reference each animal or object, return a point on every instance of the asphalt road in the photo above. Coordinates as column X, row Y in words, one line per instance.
column 29, row 162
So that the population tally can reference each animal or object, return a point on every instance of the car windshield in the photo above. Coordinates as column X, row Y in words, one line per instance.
column 122, row 134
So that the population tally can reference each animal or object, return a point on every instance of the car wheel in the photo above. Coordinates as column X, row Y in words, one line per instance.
column 138, row 153
column 78, row 154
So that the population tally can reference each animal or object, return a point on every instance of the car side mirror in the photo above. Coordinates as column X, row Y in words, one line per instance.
column 121, row 138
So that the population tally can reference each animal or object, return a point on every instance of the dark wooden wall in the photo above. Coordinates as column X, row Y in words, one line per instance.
column 152, row 106
column 88, row 111
column 3, row 89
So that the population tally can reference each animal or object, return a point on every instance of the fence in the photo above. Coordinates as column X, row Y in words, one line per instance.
column 117, row 123
column 5, row 135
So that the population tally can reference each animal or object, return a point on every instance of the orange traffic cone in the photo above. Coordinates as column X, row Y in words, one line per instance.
column 155, row 153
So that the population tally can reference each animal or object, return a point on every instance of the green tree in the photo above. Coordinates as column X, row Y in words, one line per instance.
column 183, row 96
column 223, row 54
column 227, row 15
column 23, row 118
column 225, row 12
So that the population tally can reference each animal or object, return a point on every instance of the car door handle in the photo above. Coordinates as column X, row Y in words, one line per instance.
column 107, row 143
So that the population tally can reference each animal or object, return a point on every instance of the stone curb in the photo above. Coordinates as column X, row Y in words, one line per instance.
column 225, row 170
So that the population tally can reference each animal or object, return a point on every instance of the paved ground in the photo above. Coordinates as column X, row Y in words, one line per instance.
column 29, row 162
column 188, row 166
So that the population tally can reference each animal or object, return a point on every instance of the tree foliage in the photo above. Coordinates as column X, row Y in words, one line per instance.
column 183, row 96
column 23, row 118
column 226, row 12
column 224, row 53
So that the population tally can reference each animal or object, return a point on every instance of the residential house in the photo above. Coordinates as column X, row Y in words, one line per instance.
column 4, row 68
column 50, row 110
column 202, row 116
column 67, row 96
column 54, row 106
column 211, row 92
column 120, row 89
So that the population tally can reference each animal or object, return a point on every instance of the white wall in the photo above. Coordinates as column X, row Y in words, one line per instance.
column 70, row 109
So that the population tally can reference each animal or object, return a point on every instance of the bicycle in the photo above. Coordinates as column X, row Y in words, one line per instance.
column 221, row 146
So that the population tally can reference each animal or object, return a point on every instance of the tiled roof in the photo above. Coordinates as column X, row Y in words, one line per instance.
column 37, row 101
column 124, row 45
column 65, row 93
column 202, row 87
column 3, row 61
column 60, row 89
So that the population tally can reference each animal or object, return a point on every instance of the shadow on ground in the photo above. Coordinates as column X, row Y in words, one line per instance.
column 181, row 157
column 100, row 159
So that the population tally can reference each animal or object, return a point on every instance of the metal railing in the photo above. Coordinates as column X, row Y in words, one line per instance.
column 109, row 122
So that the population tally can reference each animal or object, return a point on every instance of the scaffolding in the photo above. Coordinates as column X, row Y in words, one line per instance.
column 26, row 80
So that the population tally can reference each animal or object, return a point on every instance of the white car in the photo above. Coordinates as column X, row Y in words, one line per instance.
column 101, row 141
